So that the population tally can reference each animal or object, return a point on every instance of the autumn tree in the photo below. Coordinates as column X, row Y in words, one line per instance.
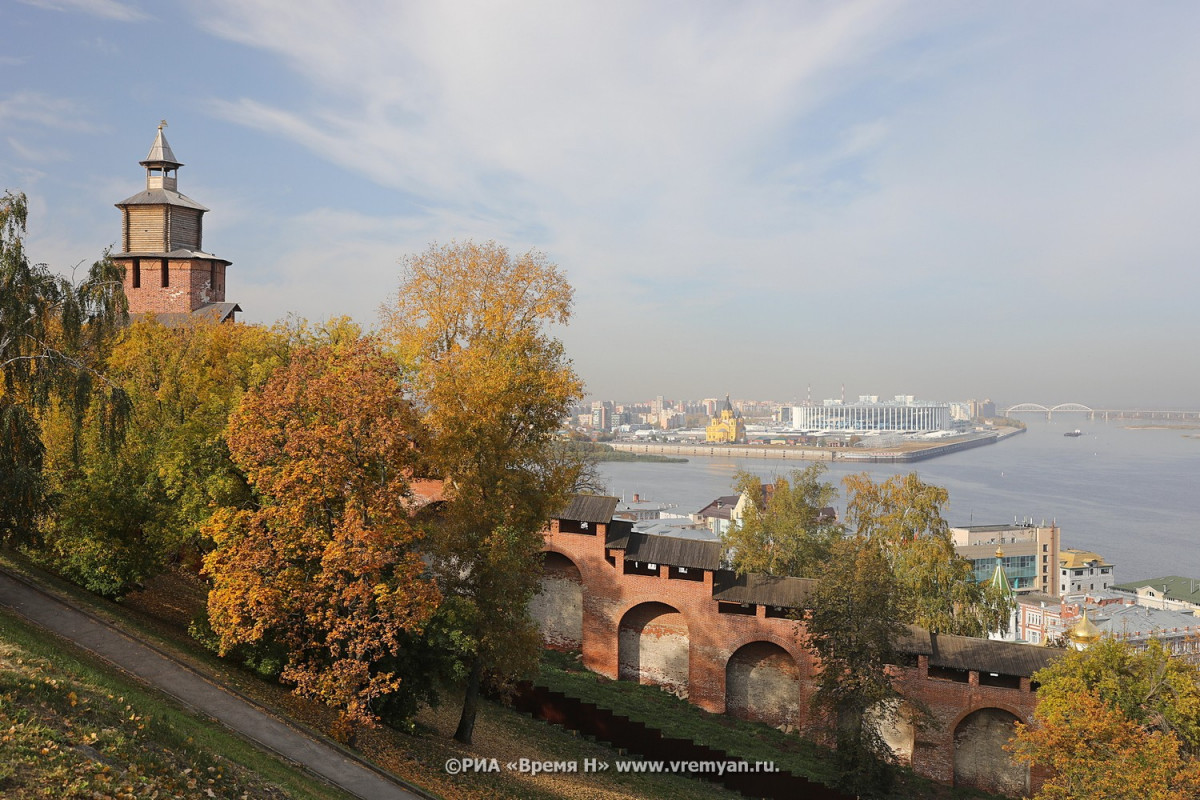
column 492, row 386
column 783, row 530
column 1113, row 722
column 125, row 512
column 53, row 337
column 903, row 515
column 853, row 625
column 326, row 567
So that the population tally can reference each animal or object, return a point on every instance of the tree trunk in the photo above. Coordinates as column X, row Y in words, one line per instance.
column 466, row 723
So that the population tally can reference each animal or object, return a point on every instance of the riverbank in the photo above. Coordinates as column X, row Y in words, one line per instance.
column 908, row 452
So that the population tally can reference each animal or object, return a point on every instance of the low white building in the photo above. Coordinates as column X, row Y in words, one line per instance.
column 1172, row 592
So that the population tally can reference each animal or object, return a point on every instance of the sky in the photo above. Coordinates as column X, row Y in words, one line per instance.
column 767, row 199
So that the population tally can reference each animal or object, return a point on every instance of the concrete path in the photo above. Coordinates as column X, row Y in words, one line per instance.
column 193, row 690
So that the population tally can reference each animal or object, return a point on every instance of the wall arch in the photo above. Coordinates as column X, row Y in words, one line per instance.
column 896, row 728
column 653, row 647
column 557, row 608
column 762, row 682
column 980, row 760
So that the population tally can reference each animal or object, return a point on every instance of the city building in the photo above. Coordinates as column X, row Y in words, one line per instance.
column 639, row 509
column 1082, row 571
column 721, row 514
column 602, row 412
column 1046, row 619
column 1171, row 592
column 1030, row 553
column 904, row 413
column 167, row 271
column 728, row 428
column 1086, row 624
column 982, row 409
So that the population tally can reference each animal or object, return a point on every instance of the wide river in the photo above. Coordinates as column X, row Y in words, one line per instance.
column 1128, row 492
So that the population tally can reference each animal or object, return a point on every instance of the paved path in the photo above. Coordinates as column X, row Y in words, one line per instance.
column 189, row 687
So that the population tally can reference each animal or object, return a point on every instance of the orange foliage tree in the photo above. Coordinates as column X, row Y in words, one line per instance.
column 325, row 568
column 1095, row 752
column 1115, row 722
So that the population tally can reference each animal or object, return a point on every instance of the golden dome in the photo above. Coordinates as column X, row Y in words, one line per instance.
column 1085, row 632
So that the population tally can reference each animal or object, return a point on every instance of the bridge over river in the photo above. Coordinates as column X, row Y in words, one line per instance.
column 1103, row 413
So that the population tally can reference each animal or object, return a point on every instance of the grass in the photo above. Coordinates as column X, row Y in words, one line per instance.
column 72, row 727
column 682, row 720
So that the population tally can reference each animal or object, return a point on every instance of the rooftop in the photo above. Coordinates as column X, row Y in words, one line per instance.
column 721, row 508
column 1070, row 558
column 1173, row 587
column 590, row 508
column 1142, row 621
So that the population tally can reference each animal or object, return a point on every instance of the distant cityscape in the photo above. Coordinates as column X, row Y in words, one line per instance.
column 770, row 422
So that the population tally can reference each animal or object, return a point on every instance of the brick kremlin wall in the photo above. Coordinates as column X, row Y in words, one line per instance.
column 666, row 628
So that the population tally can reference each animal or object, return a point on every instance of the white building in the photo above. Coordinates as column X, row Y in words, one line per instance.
column 1082, row 571
column 904, row 413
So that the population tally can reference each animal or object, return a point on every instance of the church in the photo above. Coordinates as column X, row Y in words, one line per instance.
column 728, row 428
column 167, row 273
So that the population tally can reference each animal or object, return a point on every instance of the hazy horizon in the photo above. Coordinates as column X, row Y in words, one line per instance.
column 923, row 198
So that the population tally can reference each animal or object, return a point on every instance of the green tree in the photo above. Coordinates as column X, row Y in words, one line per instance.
column 124, row 512
column 903, row 515
column 782, row 530
column 325, row 569
column 1113, row 722
column 53, row 338
column 853, row 625
column 493, row 386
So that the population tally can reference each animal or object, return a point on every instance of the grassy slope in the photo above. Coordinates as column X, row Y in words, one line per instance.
column 72, row 727
column 160, row 616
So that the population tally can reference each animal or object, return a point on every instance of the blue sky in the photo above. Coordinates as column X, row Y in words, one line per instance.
column 950, row 200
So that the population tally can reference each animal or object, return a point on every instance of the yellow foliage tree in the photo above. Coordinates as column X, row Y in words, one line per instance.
column 903, row 516
column 492, row 386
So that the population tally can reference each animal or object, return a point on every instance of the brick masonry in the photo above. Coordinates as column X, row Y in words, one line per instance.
column 191, row 283
column 669, row 631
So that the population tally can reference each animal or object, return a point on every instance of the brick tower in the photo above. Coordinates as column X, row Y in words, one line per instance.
column 167, row 272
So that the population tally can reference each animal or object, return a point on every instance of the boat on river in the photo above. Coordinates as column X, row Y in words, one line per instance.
column 1074, row 434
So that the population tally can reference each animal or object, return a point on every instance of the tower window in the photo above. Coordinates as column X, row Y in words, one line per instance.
column 166, row 274
column 136, row 273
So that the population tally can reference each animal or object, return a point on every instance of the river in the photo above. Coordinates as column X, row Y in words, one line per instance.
column 1130, row 493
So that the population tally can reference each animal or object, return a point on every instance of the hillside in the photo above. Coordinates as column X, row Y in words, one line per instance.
column 71, row 727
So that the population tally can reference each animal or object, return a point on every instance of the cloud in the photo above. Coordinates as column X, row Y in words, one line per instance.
column 106, row 9
column 798, row 173
column 609, row 110
column 45, row 111
column 35, row 154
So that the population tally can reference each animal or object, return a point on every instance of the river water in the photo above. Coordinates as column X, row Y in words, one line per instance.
column 1128, row 492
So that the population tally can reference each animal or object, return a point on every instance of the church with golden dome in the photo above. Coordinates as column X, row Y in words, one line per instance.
column 728, row 428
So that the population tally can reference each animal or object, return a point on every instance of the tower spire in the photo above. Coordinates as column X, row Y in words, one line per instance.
column 166, row 268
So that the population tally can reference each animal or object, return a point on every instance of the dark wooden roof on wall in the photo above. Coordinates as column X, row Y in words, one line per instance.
column 984, row 655
column 674, row 551
column 590, row 508
column 767, row 590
